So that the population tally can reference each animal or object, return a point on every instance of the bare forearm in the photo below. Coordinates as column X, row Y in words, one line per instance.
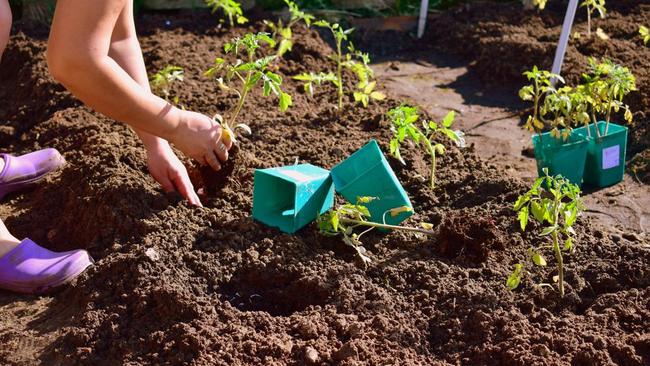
column 128, row 55
column 103, row 85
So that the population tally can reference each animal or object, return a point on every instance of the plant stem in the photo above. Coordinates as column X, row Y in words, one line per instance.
column 386, row 226
column 536, row 111
column 609, row 114
column 339, row 72
column 593, row 120
column 560, row 263
column 432, row 151
column 242, row 98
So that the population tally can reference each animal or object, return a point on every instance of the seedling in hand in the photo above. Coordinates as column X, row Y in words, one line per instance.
column 405, row 120
column 231, row 8
column 357, row 62
column 593, row 5
column 645, row 34
column 555, row 203
column 348, row 217
column 249, row 74
column 162, row 81
column 285, row 32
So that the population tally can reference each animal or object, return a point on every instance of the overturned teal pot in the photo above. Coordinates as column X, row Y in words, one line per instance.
column 565, row 158
column 605, row 164
column 366, row 173
column 291, row 197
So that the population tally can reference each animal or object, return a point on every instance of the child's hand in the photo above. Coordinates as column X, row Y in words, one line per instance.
column 165, row 167
column 200, row 137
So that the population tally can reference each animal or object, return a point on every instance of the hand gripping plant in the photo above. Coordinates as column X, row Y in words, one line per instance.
column 249, row 73
column 162, row 81
column 555, row 203
column 404, row 121
column 605, row 87
column 231, row 8
column 356, row 61
column 284, row 32
column 348, row 217
column 593, row 5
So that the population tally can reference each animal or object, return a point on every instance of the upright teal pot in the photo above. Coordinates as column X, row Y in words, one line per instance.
column 291, row 197
column 605, row 164
column 566, row 158
column 366, row 173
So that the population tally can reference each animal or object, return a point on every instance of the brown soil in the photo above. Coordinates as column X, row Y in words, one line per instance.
column 175, row 284
column 502, row 40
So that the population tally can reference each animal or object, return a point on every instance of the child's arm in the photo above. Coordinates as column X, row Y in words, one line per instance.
column 5, row 25
column 78, row 56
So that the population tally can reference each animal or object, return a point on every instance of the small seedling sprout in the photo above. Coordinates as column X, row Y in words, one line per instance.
column 285, row 32
column 593, row 5
column 555, row 203
column 162, row 81
column 348, row 217
column 404, row 124
column 249, row 74
column 231, row 8
column 645, row 34
column 354, row 60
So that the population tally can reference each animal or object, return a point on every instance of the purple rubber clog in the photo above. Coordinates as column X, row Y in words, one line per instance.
column 32, row 269
column 21, row 171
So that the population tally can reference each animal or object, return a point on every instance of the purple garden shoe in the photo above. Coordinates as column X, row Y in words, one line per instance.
column 19, row 172
column 32, row 269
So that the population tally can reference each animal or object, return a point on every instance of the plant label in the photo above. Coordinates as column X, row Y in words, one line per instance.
column 611, row 157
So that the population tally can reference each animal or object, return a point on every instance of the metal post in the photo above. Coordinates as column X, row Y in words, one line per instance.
column 424, row 10
column 564, row 37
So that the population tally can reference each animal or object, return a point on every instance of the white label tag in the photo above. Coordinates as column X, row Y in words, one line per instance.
column 611, row 157
column 296, row 175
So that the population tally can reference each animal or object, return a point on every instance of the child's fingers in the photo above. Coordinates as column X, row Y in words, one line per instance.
column 183, row 185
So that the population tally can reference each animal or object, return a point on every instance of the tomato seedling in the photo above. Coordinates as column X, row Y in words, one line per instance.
column 555, row 203
column 348, row 217
column 606, row 85
column 249, row 74
column 230, row 8
column 540, row 85
column 404, row 125
column 354, row 60
column 593, row 5
column 162, row 81
column 645, row 34
column 285, row 33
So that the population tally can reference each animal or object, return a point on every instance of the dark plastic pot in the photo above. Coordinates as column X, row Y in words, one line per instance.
column 605, row 165
column 566, row 158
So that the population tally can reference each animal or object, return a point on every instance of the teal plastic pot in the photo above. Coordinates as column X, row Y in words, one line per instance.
column 291, row 197
column 366, row 173
column 605, row 155
column 566, row 158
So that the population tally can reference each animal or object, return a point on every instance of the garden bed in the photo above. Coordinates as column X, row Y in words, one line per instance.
column 176, row 284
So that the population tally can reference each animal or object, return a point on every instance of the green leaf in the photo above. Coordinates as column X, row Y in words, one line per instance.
column 538, row 211
column 449, row 119
column 548, row 230
column 568, row 244
column 515, row 277
column 285, row 101
column 539, row 260
column 335, row 222
column 523, row 217
column 521, row 201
